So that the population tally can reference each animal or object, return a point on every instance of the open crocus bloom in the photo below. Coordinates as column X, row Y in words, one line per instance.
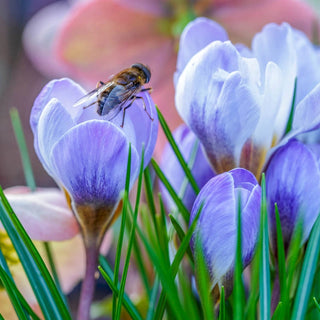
column 86, row 154
column 293, row 182
column 217, row 225
column 238, row 101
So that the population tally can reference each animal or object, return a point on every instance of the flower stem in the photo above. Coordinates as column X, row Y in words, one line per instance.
column 88, row 284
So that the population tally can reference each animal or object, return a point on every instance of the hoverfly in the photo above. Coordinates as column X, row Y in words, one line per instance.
column 111, row 97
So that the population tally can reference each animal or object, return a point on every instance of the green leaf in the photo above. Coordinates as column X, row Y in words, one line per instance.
column 131, row 240
column 222, row 307
column 316, row 303
column 177, row 152
column 121, row 233
column 48, row 296
column 18, row 131
column 108, row 275
column 290, row 119
column 264, row 257
column 184, row 211
column 238, row 283
column 11, row 291
column 307, row 273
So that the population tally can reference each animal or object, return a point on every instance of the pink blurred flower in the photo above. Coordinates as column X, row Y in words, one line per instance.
column 46, row 216
column 94, row 39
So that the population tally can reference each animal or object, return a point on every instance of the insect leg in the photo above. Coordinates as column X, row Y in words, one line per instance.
column 146, row 89
column 100, row 83
column 145, row 107
column 125, row 108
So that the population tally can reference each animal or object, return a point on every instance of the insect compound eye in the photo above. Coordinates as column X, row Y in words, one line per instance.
column 144, row 69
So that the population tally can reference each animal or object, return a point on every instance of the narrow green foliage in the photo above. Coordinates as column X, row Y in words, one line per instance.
column 11, row 291
column 316, row 303
column 18, row 131
column 153, row 298
column 278, row 313
column 222, row 307
column 184, row 211
column 108, row 275
column 181, row 236
column 177, row 152
column 280, row 255
column 290, row 120
column 131, row 240
column 121, row 233
column 307, row 273
column 48, row 296
column 203, row 280
column 238, row 283
column 176, row 262
column 264, row 257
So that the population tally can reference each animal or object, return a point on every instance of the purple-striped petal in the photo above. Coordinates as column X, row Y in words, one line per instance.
column 195, row 36
column 220, row 106
column 293, row 182
column 217, row 224
column 91, row 159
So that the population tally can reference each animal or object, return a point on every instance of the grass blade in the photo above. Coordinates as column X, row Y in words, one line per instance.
column 131, row 240
column 307, row 273
column 108, row 275
column 184, row 211
column 48, row 296
column 222, row 307
column 238, row 283
column 264, row 257
column 177, row 152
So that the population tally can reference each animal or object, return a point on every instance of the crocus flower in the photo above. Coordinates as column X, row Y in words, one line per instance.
column 87, row 156
column 91, row 40
column 192, row 152
column 293, row 182
column 216, row 228
column 238, row 101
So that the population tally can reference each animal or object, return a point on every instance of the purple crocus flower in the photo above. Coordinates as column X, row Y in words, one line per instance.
column 192, row 152
column 217, row 224
column 237, row 101
column 293, row 182
column 87, row 156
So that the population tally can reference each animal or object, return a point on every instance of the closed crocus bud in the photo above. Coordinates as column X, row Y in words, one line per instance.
column 192, row 152
column 293, row 182
column 216, row 227
column 87, row 156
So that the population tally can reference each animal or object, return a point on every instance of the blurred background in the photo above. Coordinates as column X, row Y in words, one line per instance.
column 20, row 83
column 96, row 31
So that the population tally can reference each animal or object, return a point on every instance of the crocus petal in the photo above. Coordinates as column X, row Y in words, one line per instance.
column 195, row 36
column 220, row 106
column 171, row 167
column 293, row 182
column 44, row 213
column 138, row 127
column 91, row 160
column 217, row 224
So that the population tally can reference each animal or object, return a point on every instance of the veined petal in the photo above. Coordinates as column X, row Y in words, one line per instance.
column 44, row 213
column 195, row 36
column 217, row 224
column 138, row 127
column 53, row 122
column 293, row 182
column 91, row 160
column 65, row 90
column 221, row 106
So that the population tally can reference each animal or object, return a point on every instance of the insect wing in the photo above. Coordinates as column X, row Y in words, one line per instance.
column 91, row 97
column 116, row 100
